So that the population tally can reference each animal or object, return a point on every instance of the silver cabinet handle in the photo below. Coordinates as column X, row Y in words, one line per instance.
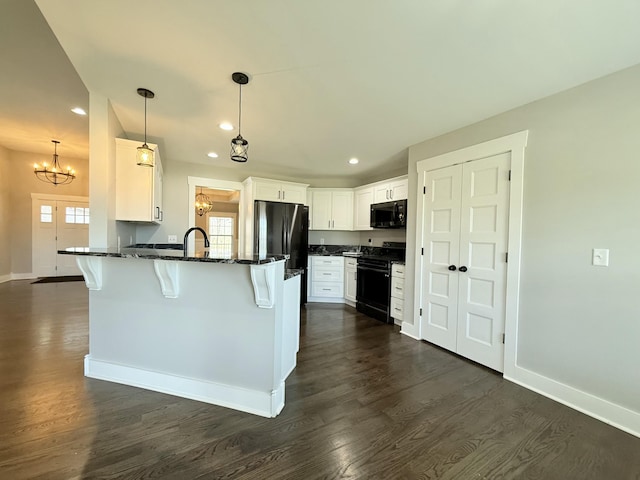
column 329, row 224
column 391, row 194
column 283, row 192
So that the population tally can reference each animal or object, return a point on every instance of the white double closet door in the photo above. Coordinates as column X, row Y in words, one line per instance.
column 465, row 227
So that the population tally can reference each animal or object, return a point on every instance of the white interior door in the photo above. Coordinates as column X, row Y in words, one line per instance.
column 464, row 263
column 483, row 246
column 58, row 224
column 442, row 249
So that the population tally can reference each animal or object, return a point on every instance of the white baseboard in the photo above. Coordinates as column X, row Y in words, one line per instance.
column 266, row 404
column 17, row 276
column 23, row 276
column 410, row 330
column 324, row 300
column 596, row 407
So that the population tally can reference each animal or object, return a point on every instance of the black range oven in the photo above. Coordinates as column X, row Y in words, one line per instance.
column 373, row 289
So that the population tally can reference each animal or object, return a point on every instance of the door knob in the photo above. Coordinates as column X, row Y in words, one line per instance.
column 463, row 269
column 452, row 268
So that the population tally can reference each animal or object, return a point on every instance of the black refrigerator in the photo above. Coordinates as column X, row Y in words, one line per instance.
column 283, row 228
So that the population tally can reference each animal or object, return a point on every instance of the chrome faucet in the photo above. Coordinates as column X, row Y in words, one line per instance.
column 186, row 235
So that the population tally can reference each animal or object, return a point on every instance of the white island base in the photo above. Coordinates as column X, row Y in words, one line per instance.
column 194, row 329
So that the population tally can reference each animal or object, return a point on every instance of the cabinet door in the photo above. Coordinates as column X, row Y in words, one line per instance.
column 342, row 210
column 399, row 190
column 362, row 209
column 294, row 194
column 350, row 283
column 320, row 210
column 269, row 191
column 381, row 193
column 134, row 185
column 158, row 214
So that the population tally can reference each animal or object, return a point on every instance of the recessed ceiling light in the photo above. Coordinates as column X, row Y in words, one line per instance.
column 78, row 111
column 226, row 126
column 212, row 155
column 353, row 161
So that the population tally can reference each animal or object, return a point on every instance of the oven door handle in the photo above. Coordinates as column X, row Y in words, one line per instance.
column 373, row 269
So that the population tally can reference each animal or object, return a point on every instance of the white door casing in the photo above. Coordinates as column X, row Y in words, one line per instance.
column 514, row 145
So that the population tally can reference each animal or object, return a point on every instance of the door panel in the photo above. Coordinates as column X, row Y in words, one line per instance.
column 442, row 214
column 483, row 239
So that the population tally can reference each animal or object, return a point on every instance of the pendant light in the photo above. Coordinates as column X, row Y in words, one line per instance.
column 144, row 155
column 203, row 203
column 239, row 146
column 54, row 173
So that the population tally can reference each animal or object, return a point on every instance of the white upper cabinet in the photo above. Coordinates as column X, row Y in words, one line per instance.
column 394, row 189
column 331, row 209
column 276, row 190
column 362, row 200
column 138, row 188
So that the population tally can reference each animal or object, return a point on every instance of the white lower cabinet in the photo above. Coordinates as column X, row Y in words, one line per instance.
column 350, row 280
column 326, row 279
column 397, row 292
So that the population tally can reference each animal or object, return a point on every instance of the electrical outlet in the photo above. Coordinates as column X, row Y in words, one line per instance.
column 173, row 239
column 600, row 257
column 322, row 241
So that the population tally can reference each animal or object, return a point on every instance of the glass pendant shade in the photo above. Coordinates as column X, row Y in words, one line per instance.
column 239, row 149
column 144, row 156
column 203, row 204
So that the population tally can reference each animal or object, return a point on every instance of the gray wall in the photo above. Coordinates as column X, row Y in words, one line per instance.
column 21, row 184
column 579, row 324
column 5, row 211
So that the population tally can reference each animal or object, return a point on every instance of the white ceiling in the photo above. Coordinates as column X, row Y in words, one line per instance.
column 330, row 79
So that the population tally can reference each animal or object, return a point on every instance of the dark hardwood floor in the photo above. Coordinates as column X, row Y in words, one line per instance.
column 363, row 402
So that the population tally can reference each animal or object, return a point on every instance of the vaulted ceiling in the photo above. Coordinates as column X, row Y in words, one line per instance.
column 329, row 79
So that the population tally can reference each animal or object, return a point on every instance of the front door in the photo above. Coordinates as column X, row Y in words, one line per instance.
column 464, row 263
column 58, row 224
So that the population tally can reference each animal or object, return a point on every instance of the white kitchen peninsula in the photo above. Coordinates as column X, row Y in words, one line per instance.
column 220, row 331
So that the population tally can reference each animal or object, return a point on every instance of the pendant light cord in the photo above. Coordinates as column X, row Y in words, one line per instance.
column 145, row 120
column 240, row 112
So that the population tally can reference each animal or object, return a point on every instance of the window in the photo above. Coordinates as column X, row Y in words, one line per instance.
column 46, row 213
column 222, row 234
column 76, row 215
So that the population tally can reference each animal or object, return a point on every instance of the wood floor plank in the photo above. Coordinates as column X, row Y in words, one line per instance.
column 364, row 402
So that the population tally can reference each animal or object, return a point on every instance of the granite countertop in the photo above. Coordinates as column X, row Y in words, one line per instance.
column 292, row 272
column 169, row 254
column 398, row 262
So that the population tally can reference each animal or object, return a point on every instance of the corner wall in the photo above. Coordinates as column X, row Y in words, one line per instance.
column 5, row 211
column 578, row 324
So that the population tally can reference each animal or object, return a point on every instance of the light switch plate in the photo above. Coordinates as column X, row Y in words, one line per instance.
column 173, row 239
column 600, row 257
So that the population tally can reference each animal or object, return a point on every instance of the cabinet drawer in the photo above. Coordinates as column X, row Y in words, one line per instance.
column 321, row 274
column 351, row 262
column 397, row 270
column 327, row 289
column 327, row 261
column 397, row 308
column 397, row 288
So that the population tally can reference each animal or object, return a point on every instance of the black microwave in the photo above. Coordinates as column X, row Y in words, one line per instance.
column 389, row 214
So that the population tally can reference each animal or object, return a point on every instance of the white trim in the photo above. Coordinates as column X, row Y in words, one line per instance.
column 515, row 144
column 5, row 278
column 589, row 404
column 410, row 330
column 266, row 404
column 194, row 182
column 52, row 197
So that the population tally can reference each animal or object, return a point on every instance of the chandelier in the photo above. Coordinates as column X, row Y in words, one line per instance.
column 54, row 173
column 203, row 203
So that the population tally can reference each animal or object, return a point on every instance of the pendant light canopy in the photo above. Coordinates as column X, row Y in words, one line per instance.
column 144, row 155
column 203, row 203
column 239, row 146
column 54, row 173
